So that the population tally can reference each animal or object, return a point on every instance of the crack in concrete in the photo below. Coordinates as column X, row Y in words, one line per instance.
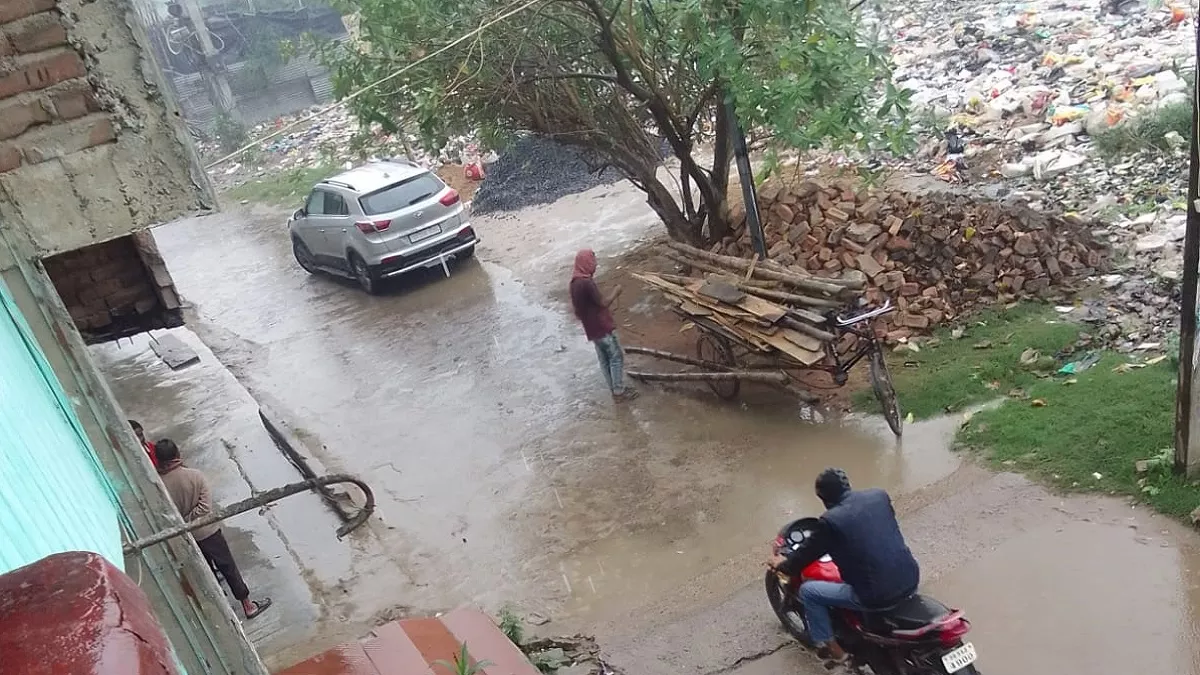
column 750, row 658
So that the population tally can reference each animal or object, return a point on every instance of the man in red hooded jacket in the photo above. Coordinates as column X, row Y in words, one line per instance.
column 592, row 309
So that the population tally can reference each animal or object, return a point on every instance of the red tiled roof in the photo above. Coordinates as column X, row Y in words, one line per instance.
column 414, row 646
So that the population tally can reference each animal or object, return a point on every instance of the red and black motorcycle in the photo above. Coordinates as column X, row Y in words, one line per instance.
column 919, row 636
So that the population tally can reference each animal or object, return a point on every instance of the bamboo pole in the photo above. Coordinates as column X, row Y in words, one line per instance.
column 812, row 331
column 782, row 296
column 678, row 358
column 741, row 265
column 771, row 376
column 723, row 276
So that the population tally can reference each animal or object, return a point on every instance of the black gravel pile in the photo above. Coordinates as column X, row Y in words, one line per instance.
column 536, row 170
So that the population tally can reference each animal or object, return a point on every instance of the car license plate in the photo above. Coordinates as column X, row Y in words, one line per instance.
column 959, row 658
column 421, row 235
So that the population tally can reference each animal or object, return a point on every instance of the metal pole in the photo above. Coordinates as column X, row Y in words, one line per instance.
column 746, row 174
column 212, row 70
column 1187, row 315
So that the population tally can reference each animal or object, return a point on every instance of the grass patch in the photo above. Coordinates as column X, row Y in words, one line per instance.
column 984, row 363
column 285, row 186
column 1064, row 430
column 1102, row 424
column 1147, row 132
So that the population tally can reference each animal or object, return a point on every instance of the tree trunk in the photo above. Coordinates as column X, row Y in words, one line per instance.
column 719, row 226
column 663, row 202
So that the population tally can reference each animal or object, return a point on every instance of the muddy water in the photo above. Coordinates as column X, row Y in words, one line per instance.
column 474, row 408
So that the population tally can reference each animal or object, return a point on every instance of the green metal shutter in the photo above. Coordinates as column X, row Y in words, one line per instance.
column 54, row 496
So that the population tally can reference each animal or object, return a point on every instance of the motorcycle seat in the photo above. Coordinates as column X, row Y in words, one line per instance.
column 917, row 611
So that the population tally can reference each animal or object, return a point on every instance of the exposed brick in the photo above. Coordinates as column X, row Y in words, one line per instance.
column 74, row 102
column 42, row 72
column 10, row 157
column 64, row 139
column 16, row 118
column 11, row 10
column 36, row 33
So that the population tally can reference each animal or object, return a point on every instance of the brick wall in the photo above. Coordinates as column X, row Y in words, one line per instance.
column 116, row 288
column 91, row 154
column 90, row 148
column 48, row 109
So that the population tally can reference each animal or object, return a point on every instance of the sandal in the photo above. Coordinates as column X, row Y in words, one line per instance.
column 260, row 606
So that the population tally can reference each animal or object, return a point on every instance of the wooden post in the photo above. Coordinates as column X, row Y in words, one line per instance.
column 1186, row 460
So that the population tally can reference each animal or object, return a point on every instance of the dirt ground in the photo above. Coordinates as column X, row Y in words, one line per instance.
column 452, row 175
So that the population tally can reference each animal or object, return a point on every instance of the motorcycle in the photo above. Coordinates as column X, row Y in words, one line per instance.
column 919, row 636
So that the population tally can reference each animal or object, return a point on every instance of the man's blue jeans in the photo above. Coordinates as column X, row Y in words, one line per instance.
column 612, row 362
column 818, row 597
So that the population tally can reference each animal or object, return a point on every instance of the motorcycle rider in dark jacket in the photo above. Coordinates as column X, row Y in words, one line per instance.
column 859, row 531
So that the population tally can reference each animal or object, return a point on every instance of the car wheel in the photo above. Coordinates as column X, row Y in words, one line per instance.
column 467, row 254
column 363, row 274
column 304, row 256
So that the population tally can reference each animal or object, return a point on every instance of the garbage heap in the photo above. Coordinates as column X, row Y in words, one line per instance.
column 936, row 255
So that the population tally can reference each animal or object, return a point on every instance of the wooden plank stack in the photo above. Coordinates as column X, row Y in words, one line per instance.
column 773, row 310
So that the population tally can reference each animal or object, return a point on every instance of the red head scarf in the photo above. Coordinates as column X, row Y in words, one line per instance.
column 585, row 264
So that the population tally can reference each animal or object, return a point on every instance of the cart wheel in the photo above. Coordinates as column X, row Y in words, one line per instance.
column 718, row 350
column 881, row 382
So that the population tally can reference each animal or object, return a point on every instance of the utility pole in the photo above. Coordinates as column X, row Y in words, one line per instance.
column 749, row 195
column 212, row 70
column 1187, row 413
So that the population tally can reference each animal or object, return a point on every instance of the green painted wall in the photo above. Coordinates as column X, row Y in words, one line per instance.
column 54, row 496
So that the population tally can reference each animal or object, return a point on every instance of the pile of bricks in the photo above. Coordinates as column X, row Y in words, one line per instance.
column 935, row 255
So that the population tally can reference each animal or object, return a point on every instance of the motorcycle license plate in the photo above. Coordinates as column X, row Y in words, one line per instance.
column 959, row 658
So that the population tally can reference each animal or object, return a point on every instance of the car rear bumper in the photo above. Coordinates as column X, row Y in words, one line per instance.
column 431, row 256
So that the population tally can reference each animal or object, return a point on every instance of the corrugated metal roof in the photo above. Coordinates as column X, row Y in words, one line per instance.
column 415, row 646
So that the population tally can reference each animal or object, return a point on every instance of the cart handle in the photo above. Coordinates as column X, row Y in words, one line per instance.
column 878, row 311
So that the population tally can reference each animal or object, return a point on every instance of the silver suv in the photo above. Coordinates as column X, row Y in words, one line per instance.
column 381, row 220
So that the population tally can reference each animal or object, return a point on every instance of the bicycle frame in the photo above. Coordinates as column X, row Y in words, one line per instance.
column 868, row 343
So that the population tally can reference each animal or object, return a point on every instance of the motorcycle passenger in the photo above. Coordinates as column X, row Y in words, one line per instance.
column 859, row 531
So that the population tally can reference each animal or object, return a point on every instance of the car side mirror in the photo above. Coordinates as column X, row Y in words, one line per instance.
column 300, row 213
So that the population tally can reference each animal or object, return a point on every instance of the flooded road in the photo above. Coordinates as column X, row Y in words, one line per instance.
column 504, row 472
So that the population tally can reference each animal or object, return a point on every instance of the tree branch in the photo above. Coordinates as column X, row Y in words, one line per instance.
column 573, row 76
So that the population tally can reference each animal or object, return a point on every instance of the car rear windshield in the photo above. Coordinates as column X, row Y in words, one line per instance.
column 401, row 195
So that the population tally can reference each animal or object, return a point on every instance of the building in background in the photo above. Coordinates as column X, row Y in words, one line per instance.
column 92, row 153
column 236, row 67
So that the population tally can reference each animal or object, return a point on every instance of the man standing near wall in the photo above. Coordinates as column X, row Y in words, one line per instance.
column 192, row 496
column 141, row 436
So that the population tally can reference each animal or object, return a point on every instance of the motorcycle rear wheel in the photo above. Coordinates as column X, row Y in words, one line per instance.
column 787, row 609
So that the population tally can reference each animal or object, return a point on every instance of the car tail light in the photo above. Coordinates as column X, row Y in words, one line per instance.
column 952, row 634
column 450, row 198
column 466, row 233
column 367, row 227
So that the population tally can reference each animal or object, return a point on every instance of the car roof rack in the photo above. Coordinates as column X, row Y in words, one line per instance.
column 338, row 183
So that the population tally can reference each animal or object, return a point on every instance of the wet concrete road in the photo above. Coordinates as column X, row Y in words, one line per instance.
column 505, row 474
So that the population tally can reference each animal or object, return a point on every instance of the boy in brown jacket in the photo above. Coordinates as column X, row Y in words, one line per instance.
column 190, row 492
